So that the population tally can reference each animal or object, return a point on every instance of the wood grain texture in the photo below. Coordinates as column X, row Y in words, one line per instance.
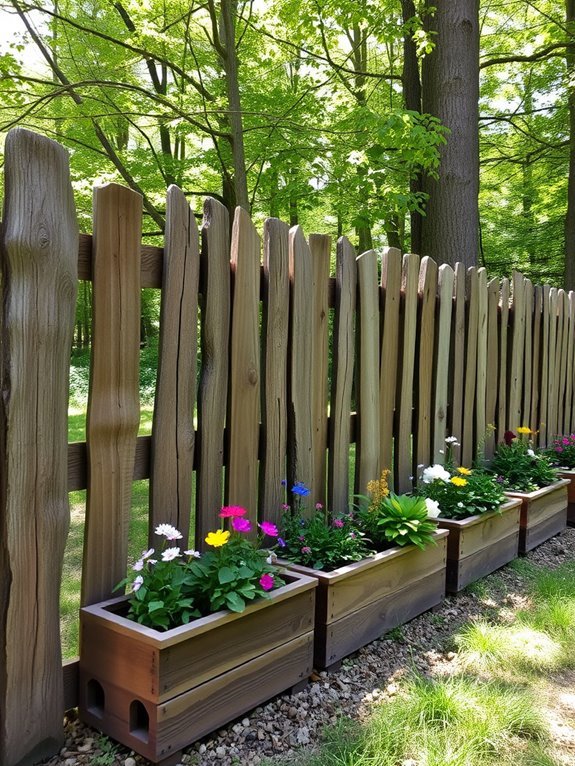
column 563, row 352
column 403, row 479
column 502, row 399
column 172, row 455
column 528, row 353
column 391, row 290
column 244, row 396
column 320, row 247
column 457, row 359
column 113, row 404
column 517, row 351
column 544, row 399
column 367, row 465
column 481, row 383
column 275, row 333
column 300, row 371
column 568, row 417
column 427, row 289
column 552, row 379
column 469, row 436
column 492, row 366
column 536, row 359
column 342, row 377
column 446, row 279
column 39, row 246
column 151, row 262
column 213, row 388
column 543, row 514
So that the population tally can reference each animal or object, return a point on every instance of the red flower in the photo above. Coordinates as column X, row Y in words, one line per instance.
column 232, row 511
column 508, row 437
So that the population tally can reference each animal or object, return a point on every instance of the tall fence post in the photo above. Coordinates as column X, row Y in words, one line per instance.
column 39, row 280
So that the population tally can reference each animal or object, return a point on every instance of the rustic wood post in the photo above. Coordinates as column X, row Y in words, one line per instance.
column 39, row 280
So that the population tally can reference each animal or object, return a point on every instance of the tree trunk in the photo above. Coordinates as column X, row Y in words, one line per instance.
column 411, row 82
column 451, row 93
column 570, row 214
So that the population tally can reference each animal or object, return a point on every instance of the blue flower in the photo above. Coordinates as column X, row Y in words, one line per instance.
column 281, row 542
column 300, row 489
column 283, row 482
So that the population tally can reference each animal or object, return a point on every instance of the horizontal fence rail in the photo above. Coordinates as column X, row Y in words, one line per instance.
column 298, row 376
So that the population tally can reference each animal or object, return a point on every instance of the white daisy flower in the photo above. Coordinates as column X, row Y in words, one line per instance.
column 193, row 553
column 433, row 472
column 137, row 584
column 433, row 509
column 168, row 531
column 138, row 566
column 170, row 553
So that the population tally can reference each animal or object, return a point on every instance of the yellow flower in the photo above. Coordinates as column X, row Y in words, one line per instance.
column 378, row 489
column 524, row 430
column 458, row 481
column 217, row 538
column 465, row 471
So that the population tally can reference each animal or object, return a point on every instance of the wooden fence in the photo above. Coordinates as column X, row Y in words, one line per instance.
column 423, row 351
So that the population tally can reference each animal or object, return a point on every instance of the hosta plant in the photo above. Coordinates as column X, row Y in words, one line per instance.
column 172, row 587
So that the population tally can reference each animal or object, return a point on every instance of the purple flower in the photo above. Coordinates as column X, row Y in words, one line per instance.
column 267, row 581
column 558, row 449
column 283, row 482
column 281, row 542
column 565, row 441
column 306, row 549
column 337, row 523
column 241, row 525
column 268, row 528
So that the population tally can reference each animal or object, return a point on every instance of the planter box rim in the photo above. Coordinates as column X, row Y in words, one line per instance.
column 537, row 492
column 298, row 582
column 477, row 518
column 347, row 569
column 566, row 470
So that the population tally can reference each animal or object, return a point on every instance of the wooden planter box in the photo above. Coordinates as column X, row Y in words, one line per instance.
column 569, row 474
column 357, row 603
column 158, row 692
column 543, row 514
column 478, row 545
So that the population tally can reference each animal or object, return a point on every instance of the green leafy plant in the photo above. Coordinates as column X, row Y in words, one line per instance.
column 518, row 466
column 319, row 541
column 178, row 586
column 389, row 519
column 562, row 451
column 460, row 492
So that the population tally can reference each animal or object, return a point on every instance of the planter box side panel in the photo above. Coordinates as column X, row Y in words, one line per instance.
column 482, row 562
column 544, row 507
column 494, row 528
column 533, row 535
column 344, row 636
column 570, row 476
column 158, row 731
column 391, row 576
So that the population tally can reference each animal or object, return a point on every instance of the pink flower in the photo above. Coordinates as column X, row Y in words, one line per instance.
column 306, row 549
column 268, row 528
column 232, row 511
column 318, row 506
column 337, row 523
column 267, row 581
column 241, row 525
column 285, row 507
column 565, row 441
column 558, row 449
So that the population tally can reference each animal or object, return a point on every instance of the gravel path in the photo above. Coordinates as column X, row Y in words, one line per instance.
column 274, row 732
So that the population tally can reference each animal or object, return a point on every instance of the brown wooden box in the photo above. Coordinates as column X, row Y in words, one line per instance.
column 357, row 603
column 157, row 692
column 480, row 544
column 543, row 514
column 566, row 473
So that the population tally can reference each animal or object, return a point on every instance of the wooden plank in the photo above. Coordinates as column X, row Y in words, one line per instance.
column 172, row 456
column 568, row 418
column 78, row 463
column 427, row 288
column 482, row 562
column 213, row 388
column 528, row 354
column 552, row 384
column 481, row 385
column 342, row 377
column 403, row 479
column 543, row 531
column 446, row 280
column 492, row 366
column 391, row 291
column 320, row 247
column 39, row 245
column 367, row 466
column 457, row 359
column 517, row 350
column 470, row 387
column 275, row 318
column 70, row 670
column 563, row 353
column 536, row 359
column 244, row 395
column 113, row 404
column 502, row 400
column 151, row 262
column 544, row 398
column 300, row 372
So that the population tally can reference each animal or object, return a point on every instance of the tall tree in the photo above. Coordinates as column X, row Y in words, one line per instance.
column 569, row 278
column 450, row 79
